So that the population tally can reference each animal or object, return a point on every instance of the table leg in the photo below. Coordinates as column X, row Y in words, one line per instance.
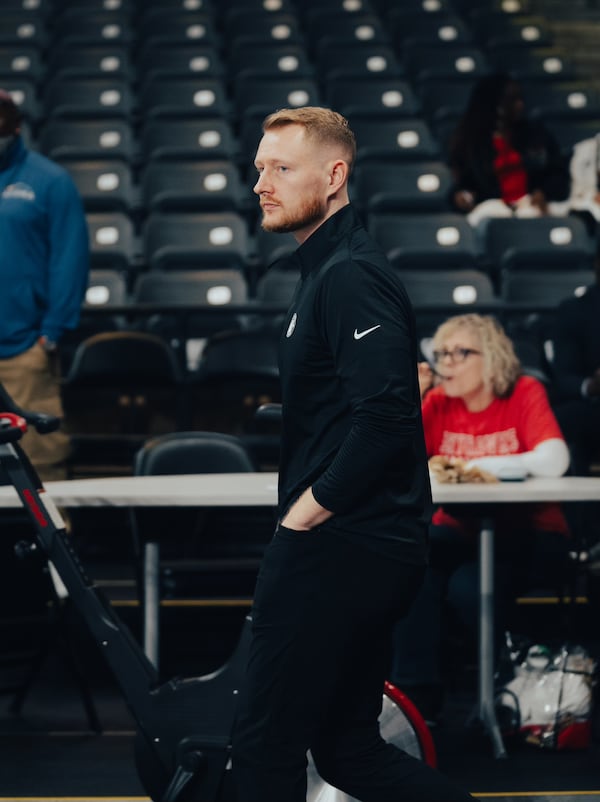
column 151, row 601
column 487, row 712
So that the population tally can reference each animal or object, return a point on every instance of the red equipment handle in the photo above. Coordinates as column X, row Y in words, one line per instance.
column 12, row 427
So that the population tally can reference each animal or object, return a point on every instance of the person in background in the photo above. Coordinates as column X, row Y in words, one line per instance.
column 584, row 194
column 478, row 407
column 349, row 552
column 503, row 163
column 44, row 264
column 575, row 394
column 575, row 386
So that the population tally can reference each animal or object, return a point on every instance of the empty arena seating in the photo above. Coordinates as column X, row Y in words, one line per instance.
column 155, row 108
column 111, row 138
column 415, row 186
column 423, row 241
column 198, row 241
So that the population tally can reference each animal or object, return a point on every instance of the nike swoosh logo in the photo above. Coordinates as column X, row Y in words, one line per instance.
column 358, row 335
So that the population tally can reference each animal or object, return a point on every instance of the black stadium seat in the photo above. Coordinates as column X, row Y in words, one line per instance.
column 358, row 60
column 275, row 61
column 426, row 241
column 112, row 241
column 88, row 98
column 211, row 138
column 62, row 139
column 91, row 61
column 417, row 28
column 196, row 241
column 167, row 26
column 104, row 185
column 208, row 186
column 328, row 27
column 438, row 294
column 21, row 62
column 76, row 26
column 179, row 61
column 247, row 27
column 534, row 63
column 493, row 28
column 257, row 97
column 543, row 290
column 187, row 98
column 122, row 387
column 396, row 140
column 413, row 186
column 373, row 97
column 193, row 305
column 17, row 27
column 445, row 60
column 568, row 100
column 541, row 243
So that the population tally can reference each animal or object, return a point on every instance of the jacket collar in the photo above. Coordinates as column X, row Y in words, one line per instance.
column 315, row 250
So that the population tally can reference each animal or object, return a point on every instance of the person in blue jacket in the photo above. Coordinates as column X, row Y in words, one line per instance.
column 44, row 265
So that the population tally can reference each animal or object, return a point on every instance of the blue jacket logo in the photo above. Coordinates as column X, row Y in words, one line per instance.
column 19, row 190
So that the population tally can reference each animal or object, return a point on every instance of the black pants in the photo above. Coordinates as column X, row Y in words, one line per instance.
column 322, row 620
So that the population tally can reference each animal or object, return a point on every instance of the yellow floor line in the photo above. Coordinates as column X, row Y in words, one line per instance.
column 477, row 795
column 533, row 600
column 548, row 794
column 530, row 601
column 75, row 799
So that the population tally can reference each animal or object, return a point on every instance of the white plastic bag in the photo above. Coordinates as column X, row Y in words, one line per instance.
column 549, row 700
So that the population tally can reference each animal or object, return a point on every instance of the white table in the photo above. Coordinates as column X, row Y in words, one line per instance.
column 260, row 489
column 203, row 490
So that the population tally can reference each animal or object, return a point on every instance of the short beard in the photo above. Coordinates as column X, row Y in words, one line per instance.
column 313, row 211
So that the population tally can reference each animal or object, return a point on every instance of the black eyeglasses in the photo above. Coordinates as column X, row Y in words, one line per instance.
column 456, row 354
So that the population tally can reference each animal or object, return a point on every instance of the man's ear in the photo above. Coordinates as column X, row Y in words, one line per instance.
column 338, row 175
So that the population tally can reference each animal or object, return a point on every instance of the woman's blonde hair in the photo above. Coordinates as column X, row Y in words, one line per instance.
column 501, row 366
column 320, row 125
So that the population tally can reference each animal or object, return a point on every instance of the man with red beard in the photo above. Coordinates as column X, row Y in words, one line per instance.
column 349, row 551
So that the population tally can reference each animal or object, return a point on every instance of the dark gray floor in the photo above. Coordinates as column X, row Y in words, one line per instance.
column 47, row 752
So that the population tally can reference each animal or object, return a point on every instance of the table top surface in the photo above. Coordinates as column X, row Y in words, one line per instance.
column 260, row 489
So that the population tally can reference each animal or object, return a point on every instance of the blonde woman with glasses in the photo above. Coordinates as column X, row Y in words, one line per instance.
column 481, row 410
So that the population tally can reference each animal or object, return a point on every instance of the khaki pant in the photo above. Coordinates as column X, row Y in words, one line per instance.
column 32, row 380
